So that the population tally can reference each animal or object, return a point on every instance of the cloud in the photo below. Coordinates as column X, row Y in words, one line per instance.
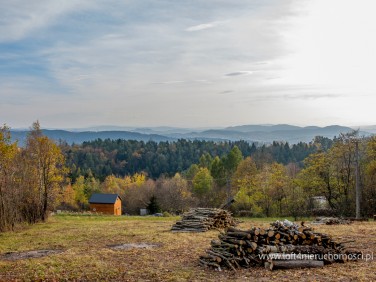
column 20, row 19
column 226, row 92
column 196, row 81
column 300, row 94
column 314, row 96
column 238, row 73
column 81, row 77
column 170, row 82
column 203, row 26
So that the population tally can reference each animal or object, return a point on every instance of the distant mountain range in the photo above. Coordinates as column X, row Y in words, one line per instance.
column 251, row 133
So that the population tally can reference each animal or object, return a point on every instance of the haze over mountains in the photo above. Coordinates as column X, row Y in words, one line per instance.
column 251, row 133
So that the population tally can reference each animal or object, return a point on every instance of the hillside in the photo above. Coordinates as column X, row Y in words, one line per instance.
column 268, row 134
column 250, row 133
column 79, row 137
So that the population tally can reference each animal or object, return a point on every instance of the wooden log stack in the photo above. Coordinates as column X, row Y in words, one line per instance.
column 283, row 245
column 203, row 219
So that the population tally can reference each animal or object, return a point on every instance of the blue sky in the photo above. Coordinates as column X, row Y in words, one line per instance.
column 78, row 63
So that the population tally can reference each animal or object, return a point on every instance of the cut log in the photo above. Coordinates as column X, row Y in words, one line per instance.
column 253, row 245
column 211, row 257
column 290, row 256
column 240, row 235
column 271, row 233
column 288, row 264
column 213, row 264
column 257, row 231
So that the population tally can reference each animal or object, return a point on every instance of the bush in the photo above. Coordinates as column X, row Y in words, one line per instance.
column 166, row 214
column 244, row 213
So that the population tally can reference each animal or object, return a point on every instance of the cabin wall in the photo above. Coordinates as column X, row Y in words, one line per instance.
column 103, row 208
column 114, row 209
column 117, row 207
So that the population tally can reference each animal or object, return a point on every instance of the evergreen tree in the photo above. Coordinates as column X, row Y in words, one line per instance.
column 153, row 206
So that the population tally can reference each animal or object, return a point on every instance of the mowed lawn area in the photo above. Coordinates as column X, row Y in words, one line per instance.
column 86, row 255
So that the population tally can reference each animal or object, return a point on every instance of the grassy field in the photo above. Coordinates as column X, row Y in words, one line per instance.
column 86, row 256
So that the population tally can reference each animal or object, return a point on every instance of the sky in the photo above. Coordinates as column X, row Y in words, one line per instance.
column 212, row 63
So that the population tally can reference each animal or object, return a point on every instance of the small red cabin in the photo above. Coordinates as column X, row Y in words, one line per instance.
column 105, row 203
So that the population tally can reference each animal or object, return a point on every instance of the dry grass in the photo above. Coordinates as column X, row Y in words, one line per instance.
column 85, row 240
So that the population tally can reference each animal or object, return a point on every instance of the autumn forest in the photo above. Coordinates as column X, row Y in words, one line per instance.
column 278, row 179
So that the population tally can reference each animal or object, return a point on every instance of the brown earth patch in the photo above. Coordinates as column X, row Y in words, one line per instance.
column 12, row 256
column 130, row 246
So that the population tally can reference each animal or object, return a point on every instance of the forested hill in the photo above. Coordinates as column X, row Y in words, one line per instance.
column 269, row 134
column 262, row 134
column 79, row 137
column 124, row 157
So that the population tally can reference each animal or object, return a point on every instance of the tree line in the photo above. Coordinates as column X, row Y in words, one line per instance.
column 269, row 180
column 274, row 180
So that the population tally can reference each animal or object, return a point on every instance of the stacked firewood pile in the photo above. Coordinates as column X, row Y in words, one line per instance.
column 203, row 219
column 283, row 245
column 331, row 221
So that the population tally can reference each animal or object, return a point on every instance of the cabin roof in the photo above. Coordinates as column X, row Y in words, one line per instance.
column 103, row 198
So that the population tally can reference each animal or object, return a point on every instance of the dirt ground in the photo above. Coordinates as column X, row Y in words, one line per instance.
column 12, row 256
column 74, row 248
